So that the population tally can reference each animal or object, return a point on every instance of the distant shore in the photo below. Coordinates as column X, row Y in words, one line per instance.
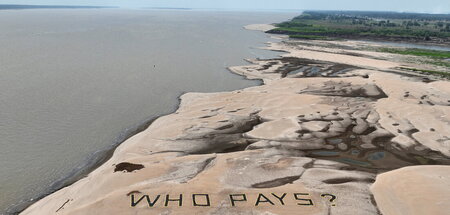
column 23, row 7
column 369, row 25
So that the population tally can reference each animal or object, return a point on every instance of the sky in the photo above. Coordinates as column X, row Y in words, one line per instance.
column 431, row 6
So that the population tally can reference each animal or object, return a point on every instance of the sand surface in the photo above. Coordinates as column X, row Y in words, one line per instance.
column 259, row 27
column 414, row 190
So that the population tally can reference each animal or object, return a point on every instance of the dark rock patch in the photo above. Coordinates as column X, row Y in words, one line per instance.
column 347, row 180
column 128, row 167
column 294, row 67
column 343, row 89
column 225, row 127
column 276, row 182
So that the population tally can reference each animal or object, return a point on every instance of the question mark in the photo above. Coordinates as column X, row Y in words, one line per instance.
column 333, row 197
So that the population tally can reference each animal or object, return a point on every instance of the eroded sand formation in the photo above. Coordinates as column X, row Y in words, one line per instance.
column 312, row 140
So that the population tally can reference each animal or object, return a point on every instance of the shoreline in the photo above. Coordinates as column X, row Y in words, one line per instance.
column 95, row 160
column 246, row 126
column 99, row 157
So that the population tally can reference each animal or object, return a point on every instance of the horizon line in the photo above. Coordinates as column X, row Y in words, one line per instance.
column 187, row 8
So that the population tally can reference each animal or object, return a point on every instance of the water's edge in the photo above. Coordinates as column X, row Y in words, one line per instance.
column 99, row 157
column 95, row 160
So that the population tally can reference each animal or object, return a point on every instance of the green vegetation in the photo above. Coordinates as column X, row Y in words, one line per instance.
column 418, row 52
column 438, row 73
column 434, row 57
column 370, row 25
column 440, row 63
column 308, row 37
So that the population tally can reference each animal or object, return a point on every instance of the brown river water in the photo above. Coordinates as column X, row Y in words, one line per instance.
column 75, row 82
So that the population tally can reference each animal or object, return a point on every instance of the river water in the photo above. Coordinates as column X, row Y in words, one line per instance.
column 73, row 80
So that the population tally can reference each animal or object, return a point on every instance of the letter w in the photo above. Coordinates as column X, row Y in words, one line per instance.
column 150, row 203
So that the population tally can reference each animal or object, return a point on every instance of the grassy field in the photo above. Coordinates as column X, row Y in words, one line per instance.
column 419, row 52
column 434, row 57
column 370, row 25
column 432, row 72
column 308, row 37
